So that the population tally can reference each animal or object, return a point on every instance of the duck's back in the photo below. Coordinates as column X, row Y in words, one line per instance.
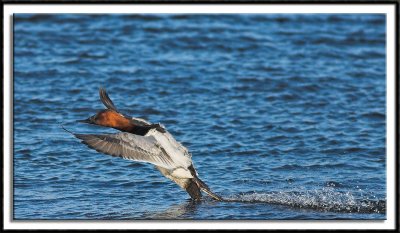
column 178, row 153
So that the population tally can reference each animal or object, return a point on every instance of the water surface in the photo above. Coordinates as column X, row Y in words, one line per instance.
column 284, row 114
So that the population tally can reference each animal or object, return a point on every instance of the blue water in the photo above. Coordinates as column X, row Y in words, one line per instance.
column 284, row 114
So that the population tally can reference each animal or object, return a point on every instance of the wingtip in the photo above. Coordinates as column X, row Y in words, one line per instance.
column 74, row 134
column 66, row 129
column 102, row 93
column 101, row 90
column 105, row 99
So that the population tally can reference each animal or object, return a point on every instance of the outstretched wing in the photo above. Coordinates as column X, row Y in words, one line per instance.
column 129, row 146
column 106, row 100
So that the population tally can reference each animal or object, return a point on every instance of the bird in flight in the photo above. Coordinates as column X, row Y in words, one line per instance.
column 143, row 141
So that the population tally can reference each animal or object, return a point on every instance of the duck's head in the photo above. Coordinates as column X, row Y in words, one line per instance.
column 109, row 118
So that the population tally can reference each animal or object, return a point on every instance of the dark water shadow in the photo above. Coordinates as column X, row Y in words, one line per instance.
column 178, row 211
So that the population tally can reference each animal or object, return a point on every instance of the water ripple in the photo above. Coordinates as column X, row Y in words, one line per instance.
column 272, row 107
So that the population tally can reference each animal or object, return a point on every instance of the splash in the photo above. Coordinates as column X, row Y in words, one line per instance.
column 325, row 199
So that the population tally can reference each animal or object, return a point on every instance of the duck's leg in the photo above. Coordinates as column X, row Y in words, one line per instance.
column 193, row 190
column 206, row 189
column 187, row 184
column 202, row 186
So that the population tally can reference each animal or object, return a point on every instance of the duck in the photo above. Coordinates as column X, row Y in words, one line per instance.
column 143, row 141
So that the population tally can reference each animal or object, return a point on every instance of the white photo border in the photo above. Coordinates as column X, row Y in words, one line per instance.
column 390, row 9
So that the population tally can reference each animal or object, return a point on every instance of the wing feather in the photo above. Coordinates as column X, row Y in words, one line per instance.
column 106, row 100
column 129, row 146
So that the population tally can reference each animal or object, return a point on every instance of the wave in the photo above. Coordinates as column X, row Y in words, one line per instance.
column 325, row 199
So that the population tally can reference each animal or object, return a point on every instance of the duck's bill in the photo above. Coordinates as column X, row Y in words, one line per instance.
column 87, row 121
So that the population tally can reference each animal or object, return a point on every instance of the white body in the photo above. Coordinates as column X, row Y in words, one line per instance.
column 178, row 153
